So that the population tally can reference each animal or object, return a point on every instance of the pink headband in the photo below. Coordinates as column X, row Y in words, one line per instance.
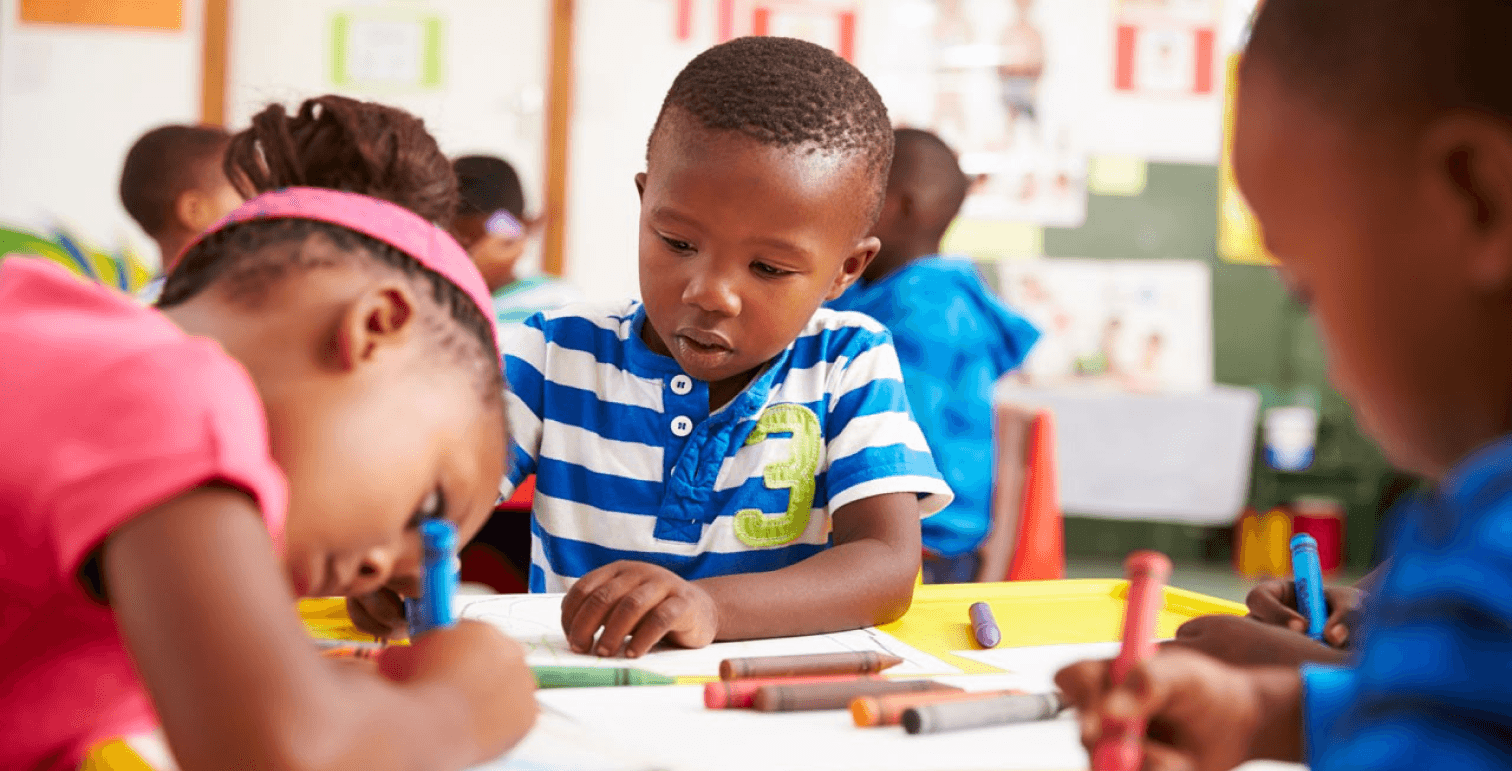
column 390, row 223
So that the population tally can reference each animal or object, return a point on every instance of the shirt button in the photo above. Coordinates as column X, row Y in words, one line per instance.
column 681, row 385
column 682, row 425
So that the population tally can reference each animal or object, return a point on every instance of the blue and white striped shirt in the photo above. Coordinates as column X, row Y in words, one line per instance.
column 631, row 465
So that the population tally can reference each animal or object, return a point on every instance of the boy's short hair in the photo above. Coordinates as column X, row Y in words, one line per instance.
column 165, row 163
column 487, row 184
column 787, row 93
column 1401, row 59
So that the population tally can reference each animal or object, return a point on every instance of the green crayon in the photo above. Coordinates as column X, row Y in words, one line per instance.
column 596, row 677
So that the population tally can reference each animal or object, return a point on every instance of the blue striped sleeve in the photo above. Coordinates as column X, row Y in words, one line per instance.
column 873, row 445
column 523, row 348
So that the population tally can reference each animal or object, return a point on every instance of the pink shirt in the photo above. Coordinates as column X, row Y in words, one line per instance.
column 106, row 410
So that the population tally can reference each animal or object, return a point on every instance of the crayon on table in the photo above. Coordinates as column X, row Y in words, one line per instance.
column 438, row 579
column 596, row 677
column 888, row 709
column 1307, row 571
column 1121, row 747
column 851, row 663
column 800, row 698
column 983, row 626
column 977, row 713
column 741, row 694
column 353, row 649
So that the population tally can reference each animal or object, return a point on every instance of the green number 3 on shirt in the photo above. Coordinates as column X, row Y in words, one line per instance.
column 752, row 526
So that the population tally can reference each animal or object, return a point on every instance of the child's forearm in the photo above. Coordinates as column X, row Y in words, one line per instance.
column 867, row 578
column 1279, row 735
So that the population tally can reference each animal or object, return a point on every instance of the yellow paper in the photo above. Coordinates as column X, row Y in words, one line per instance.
column 991, row 240
column 1239, row 237
column 1117, row 175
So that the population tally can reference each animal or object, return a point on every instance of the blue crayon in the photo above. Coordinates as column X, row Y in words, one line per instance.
column 438, row 579
column 1308, row 573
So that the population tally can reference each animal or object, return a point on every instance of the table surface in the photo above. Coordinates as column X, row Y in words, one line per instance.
column 1044, row 625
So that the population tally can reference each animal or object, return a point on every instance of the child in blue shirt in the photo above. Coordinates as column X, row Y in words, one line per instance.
column 725, row 459
column 1374, row 142
column 954, row 337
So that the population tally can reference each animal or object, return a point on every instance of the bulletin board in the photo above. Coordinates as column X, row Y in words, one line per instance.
column 150, row 14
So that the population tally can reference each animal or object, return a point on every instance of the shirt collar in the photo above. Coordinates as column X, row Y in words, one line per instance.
column 1488, row 467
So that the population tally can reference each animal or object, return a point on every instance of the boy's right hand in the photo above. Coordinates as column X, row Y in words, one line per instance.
column 1275, row 602
column 380, row 614
column 477, row 662
column 1200, row 714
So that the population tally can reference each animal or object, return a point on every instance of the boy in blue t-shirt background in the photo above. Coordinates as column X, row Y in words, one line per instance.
column 954, row 338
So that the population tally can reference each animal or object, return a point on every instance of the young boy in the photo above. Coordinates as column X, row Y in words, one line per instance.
column 174, row 187
column 492, row 227
column 727, row 460
column 1375, row 145
column 954, row 340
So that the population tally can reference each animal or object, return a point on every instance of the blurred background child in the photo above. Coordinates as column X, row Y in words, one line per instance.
column 174, row 186
column 492, row 226
column 954, row 337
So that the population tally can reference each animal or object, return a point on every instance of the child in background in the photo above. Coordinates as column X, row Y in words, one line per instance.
column 321, row 377
column 955, row 339
column 728, row 460
column 174, row 187
column 492, row 226
column 1374, row 143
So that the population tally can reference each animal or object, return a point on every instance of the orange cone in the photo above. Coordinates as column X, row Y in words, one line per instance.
column 1040, row 550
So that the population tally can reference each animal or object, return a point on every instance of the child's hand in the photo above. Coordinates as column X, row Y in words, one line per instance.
column 1200, row 714
column 1275, row 602
column 1247, row 642
column 477, row 662
column 380, row 614
column 640, row 601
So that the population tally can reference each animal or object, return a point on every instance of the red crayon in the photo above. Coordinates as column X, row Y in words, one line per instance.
column 741, row 694
column 1121, row 746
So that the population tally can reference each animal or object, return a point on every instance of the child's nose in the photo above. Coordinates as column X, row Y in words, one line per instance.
column 376, row 569
column 712, row 292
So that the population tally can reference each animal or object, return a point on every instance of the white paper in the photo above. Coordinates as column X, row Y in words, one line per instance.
column 673, row 725
column 558, row 744
column 535, row 621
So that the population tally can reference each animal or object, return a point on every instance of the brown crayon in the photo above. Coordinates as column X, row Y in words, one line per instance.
column 799, row 698
column 888, row 709
column 741, row 694
column 853, row 663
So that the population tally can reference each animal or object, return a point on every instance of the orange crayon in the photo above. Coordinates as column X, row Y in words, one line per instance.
column 888, row 709
column 1121, row 747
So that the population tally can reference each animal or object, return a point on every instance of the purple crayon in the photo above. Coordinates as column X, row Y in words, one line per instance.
column 983, row 626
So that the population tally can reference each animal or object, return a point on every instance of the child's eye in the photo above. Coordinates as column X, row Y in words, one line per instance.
column 676, row 245
column 433, row 507
column 767, row 270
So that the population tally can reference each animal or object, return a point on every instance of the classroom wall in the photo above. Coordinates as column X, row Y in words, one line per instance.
column 493, row 71
column 72, row 100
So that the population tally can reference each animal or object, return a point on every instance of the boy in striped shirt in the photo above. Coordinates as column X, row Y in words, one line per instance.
column 726, row 460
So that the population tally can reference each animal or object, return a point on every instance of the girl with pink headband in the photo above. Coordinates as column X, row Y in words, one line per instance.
column 320, row 377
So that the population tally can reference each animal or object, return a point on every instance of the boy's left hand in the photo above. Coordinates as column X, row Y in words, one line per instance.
column 637, row 600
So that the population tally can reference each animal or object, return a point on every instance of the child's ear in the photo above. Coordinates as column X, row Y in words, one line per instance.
column 193, row 210
column 382, row 318
column 640, row 185
column 854, row 266
column 1474, row 156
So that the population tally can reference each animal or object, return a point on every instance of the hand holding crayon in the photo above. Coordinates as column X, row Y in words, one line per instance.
column 1120, row 748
